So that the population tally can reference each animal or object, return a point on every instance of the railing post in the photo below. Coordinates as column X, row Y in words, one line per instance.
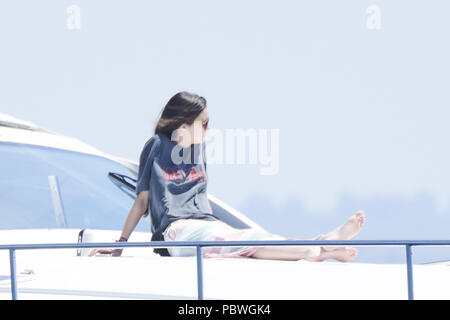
column 12, row 265
column 409, row 267
column 199, row 273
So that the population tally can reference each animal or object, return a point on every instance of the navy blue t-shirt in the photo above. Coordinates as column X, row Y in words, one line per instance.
column 177, row 180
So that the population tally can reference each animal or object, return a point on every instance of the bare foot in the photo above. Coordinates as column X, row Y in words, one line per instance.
column 346, row 231
column 342, row 255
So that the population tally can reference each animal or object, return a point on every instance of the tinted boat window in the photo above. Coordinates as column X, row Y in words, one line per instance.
column 84, row 193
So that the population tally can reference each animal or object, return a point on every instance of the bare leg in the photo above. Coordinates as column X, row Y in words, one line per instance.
column 291, row 253
column 311, row 253
column 315, row 253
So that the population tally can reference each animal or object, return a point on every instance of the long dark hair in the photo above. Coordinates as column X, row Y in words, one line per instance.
column 183, row 107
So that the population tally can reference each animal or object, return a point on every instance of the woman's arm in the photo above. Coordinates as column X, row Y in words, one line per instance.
column 138, row 210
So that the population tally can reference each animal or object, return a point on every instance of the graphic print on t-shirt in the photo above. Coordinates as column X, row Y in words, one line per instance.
column 183, row 174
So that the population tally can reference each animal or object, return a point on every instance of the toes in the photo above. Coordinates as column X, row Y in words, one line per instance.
column 362, row 221
column 360, row 216
column 352, row 251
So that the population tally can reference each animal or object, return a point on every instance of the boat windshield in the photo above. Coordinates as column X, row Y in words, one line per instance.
column 43, row 187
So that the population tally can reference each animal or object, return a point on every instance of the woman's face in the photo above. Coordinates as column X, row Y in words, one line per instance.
column 195, row 132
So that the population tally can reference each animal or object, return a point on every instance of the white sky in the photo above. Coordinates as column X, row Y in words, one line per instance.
column 360, row 112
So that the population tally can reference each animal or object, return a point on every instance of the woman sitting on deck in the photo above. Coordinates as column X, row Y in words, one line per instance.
column 173, row 188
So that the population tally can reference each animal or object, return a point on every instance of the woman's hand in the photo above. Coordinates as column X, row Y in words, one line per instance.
column 117, row 252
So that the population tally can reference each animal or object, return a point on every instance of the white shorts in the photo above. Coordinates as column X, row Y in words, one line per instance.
column 206, row 230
